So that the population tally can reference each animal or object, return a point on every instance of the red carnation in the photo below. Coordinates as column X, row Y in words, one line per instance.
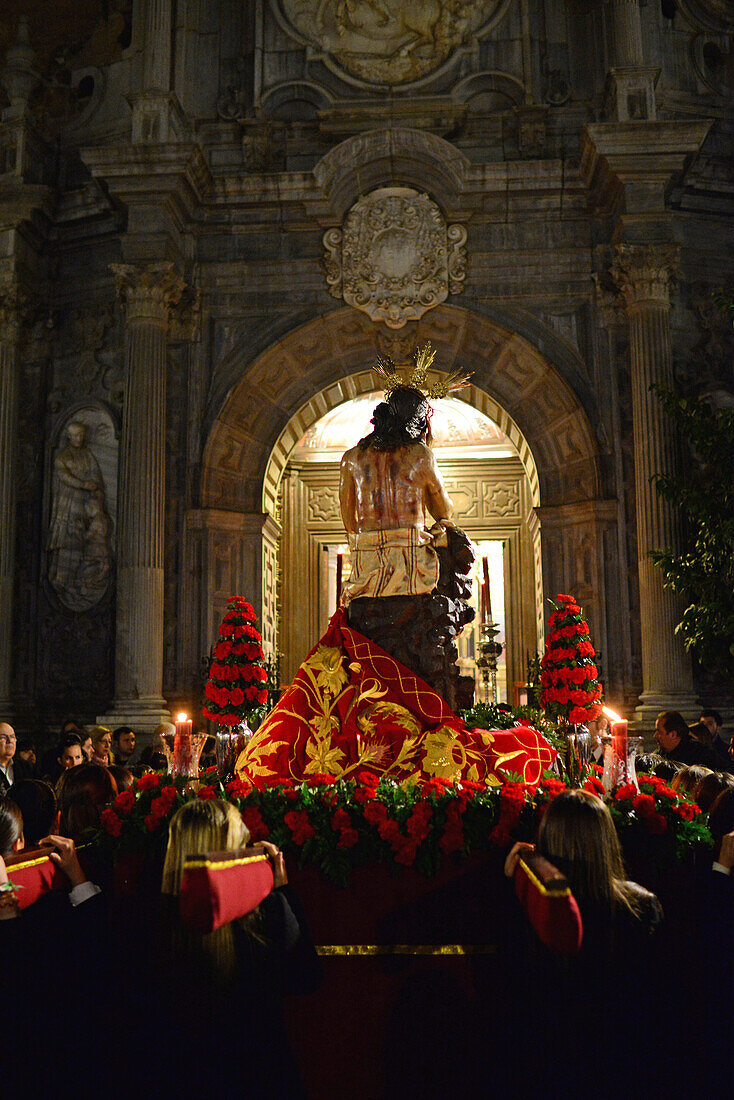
column 148, row 782
column 124, row 802
column 299, row 825
column 111, row 823
column 206, row 793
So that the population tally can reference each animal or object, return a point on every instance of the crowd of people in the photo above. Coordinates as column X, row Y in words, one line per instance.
column 67, row 953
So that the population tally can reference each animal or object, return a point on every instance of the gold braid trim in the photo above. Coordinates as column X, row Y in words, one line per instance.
column 356, row 949
column 221, row 864
column 552, row 892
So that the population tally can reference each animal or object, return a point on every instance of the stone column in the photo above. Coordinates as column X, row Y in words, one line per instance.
column 644, row 275
column 630, row 91
column 9, row 338
column 157, row 63
column 627, row 34
column 147, row 291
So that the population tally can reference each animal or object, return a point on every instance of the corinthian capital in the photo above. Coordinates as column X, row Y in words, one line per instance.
column 645, row 273
column 148, row 291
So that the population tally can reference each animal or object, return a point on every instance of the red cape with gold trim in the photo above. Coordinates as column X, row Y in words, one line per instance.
column 352, row 708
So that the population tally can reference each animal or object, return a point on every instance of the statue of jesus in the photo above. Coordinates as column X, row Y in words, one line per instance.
column 388, row 482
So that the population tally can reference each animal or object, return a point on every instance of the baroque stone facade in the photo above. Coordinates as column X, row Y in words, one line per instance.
column 559, row 176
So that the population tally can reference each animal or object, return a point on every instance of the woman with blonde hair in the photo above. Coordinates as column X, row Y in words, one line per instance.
column 242, row 971
column 101, row 746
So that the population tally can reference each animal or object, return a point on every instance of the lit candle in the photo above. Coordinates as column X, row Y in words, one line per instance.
column 182, row 748
column 618, row 730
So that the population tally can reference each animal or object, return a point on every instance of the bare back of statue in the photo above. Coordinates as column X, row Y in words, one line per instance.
column 390, row 489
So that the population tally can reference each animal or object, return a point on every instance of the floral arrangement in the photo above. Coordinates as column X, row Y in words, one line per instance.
column 569, row 677
column 238, row 681
column 341, row 824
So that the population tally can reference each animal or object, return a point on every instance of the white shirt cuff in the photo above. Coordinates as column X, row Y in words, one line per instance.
column 721, row 868
column 83, row 892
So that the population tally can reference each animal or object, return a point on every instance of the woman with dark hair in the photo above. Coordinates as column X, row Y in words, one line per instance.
column 11, row 827
column 37, row 803
column 708, row 789
column 83, row 794
column 577, row 835
column 688, row 778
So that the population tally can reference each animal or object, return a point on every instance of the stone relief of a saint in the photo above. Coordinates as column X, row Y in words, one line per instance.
column 79, row 553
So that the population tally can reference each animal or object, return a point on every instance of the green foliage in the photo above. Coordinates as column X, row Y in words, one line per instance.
column 702, row 572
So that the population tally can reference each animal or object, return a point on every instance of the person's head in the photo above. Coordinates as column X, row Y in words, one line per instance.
column 708, row 789
column 69, row 751
column 11, row 827
column 7, row 743
column 577, row 835
column 124, row 740
column 122, row 776
column 84, row 791
column 75, row 433
column 87, row 746
column 403, row 418
column 70, row 725
column 37, row 803
column 670, row 729
column 26, row 750
column 688, row 778
column 712, row 720
column 101, row 742
column 721, row 818
column 210, row 825
column 700, row 732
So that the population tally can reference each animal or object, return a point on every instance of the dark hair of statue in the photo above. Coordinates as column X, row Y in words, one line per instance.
column 404, row 418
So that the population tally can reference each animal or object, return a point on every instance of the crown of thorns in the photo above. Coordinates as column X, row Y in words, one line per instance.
column 413, row 373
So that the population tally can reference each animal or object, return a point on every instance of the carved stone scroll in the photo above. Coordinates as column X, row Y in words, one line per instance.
column 395, row 257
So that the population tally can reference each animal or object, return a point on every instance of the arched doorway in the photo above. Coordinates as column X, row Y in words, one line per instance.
column 494, row 496
column 268, row 401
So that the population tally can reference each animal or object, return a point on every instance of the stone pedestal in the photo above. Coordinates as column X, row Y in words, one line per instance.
column 644, row 274
column 147, row 291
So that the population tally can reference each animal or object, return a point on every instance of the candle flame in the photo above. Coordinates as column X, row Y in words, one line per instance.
column 182, row 716
column 612, row 714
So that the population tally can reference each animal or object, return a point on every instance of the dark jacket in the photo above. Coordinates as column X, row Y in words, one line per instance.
column 690, row 751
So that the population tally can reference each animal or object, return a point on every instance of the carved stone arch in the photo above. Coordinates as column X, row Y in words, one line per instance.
column 276, row 393
column 327, row 353
column 492, row 81
column 292, row 91
column 364, row 382
column 391, row 157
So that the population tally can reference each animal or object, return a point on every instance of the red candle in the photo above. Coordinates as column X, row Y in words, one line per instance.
column 486, row 601
column 182, row 749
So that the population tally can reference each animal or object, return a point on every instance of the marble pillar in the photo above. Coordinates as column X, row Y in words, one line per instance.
column 644, row 274
column 147, row 291
column 9, row 337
